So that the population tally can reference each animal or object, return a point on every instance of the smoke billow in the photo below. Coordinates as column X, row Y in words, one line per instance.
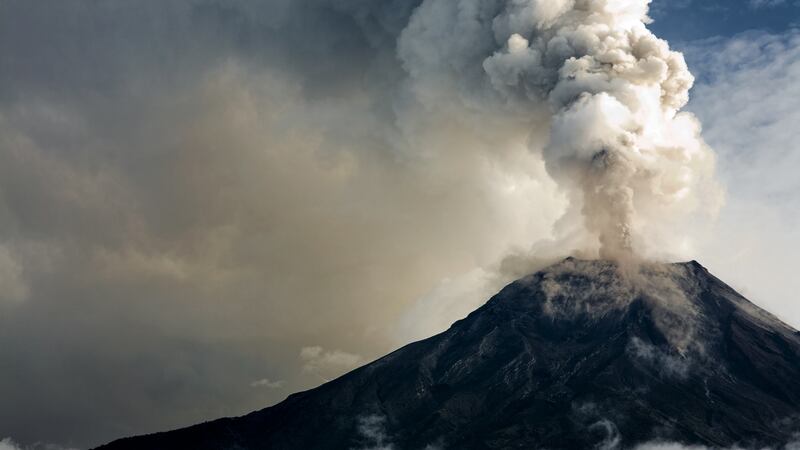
column 607, row 91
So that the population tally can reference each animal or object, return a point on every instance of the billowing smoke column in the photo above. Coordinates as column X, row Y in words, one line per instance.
column 618, row 144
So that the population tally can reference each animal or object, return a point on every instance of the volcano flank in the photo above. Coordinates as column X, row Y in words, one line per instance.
column 583, row 354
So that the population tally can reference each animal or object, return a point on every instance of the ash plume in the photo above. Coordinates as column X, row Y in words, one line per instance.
column 606, row 90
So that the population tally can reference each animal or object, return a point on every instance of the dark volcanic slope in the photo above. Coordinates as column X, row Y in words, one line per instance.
column 581, row 355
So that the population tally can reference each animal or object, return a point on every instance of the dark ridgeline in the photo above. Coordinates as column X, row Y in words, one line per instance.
column 575, row 356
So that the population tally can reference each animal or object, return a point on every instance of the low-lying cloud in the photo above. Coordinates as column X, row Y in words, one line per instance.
column 267, row 383
column 8, row 444
column 372, row 429
column 665, row 445
column 328, row 364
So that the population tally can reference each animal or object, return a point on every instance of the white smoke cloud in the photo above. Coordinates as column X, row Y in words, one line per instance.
column 372, row 431
column 267, row 383
column 14, row 286
column 448, row 301
column 596, row 96
column 326, row 363
column 665, row 445
column 612, row 437
column 372, row 428
column 602, row 96
column 758, row 4
column 8, row 444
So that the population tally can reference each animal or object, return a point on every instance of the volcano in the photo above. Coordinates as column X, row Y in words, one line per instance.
column 583, row 354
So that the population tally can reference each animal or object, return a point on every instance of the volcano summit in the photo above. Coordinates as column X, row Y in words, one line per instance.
column 584, row 354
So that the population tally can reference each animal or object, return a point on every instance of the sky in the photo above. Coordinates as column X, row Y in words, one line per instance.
column 206, row 206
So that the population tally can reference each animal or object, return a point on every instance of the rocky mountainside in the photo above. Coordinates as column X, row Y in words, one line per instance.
column 584, row 354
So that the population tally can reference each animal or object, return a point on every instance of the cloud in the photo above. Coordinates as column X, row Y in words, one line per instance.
column 757, row 70
column 372, row 429
column 450, row 300
column 328, row 364
column 757, row 4
column 8, row 444
column 664, row 445
column 667, row 446
column 267, row 383
column 372, row 434
column 660, row 6
column 609, row 429
column 14, row 287
column 745, row 98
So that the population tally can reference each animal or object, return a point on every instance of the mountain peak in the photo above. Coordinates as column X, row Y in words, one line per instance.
column 581, row 354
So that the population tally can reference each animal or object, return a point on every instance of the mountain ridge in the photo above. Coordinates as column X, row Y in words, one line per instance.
column 582, row 354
